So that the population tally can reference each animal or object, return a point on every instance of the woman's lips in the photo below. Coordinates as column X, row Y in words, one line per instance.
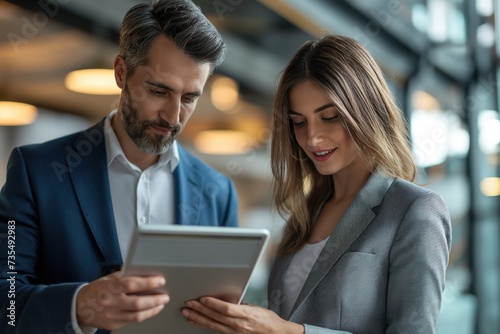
column 323, row 155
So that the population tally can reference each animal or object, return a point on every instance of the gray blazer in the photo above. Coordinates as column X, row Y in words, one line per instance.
column 383, row 268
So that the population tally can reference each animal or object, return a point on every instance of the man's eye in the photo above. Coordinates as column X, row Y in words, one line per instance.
column 189, row 99
column 157, row 92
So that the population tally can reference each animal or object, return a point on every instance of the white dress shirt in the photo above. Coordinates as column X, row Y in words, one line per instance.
column 138, row 196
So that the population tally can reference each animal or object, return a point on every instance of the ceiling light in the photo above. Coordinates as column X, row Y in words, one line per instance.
column 15, row 113
column 485, row 35
column 224, row 93
column 490, row 186
column 424, row 101
column 485, row 8
column 223, row 142
column 92, row 81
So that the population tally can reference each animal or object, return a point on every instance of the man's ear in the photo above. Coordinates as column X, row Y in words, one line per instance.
column 120, row 71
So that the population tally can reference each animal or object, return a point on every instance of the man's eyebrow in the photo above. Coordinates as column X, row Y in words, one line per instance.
column 326, row 106
column 170, row 89
column 160, row 85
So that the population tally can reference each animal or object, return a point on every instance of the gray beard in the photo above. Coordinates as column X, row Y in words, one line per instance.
column 137, row 129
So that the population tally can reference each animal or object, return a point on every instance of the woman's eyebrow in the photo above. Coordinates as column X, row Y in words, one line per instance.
column 326, row 106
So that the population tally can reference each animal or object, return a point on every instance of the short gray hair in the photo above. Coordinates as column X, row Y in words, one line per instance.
column 181, row 21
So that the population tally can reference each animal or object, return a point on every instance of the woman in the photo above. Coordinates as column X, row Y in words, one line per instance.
column 364, row 250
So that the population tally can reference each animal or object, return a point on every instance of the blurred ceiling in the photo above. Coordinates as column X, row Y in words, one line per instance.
column 41, row 41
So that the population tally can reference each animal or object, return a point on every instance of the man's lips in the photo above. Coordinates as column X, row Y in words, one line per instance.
column 162, row 130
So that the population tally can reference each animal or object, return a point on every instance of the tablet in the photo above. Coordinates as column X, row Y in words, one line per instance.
column 196, row 261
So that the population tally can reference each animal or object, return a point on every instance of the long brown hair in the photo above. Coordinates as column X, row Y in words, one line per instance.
column 349, row 75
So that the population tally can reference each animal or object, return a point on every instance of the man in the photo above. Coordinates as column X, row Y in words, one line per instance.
column 70, row 206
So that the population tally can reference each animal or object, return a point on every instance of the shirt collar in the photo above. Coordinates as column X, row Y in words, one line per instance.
column 114, row 150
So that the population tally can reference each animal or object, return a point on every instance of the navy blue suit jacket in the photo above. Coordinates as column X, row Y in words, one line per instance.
column 57, row 205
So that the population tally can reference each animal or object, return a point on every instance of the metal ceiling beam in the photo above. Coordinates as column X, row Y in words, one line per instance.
column 66, row 12
column 448, row 60
column 397, row 48
column 254, row 66
column 320, row 17
column 249, row 64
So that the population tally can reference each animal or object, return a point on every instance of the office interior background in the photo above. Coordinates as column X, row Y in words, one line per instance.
column 440, row 58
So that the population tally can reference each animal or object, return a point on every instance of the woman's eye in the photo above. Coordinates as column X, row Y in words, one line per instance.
column 297, row 122
column 333, row 118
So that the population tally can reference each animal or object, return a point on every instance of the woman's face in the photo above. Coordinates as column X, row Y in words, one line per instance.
column 319, row 131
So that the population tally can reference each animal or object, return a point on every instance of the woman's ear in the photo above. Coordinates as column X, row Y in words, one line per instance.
column 120, row 71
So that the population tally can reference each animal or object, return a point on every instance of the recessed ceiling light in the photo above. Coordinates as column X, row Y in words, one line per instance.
column 490, row 186
column 16, row 113
column 92, row 81
column 224, row 94
column 223, row 142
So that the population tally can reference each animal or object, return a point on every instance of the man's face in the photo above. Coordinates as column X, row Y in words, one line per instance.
column 160, row 97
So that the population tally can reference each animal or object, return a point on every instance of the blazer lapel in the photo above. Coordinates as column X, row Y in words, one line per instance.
column 86, row 161
column 188, row 191
column 355, row 220
column 276, row 280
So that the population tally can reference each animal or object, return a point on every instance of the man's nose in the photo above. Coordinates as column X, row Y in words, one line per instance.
column 171, row 112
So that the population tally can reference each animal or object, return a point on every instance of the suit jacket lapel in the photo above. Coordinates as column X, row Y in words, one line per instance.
column 276, row 280
column 86, row 162
column 355, row 220
column 188, row 191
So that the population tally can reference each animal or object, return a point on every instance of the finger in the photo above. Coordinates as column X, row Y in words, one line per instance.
column 115, row 274
column 129, row 317
column 143, row 302
column 201, row 320
column 137, row 284
column 211, row 313
column 115, row 320
column 229, row 309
